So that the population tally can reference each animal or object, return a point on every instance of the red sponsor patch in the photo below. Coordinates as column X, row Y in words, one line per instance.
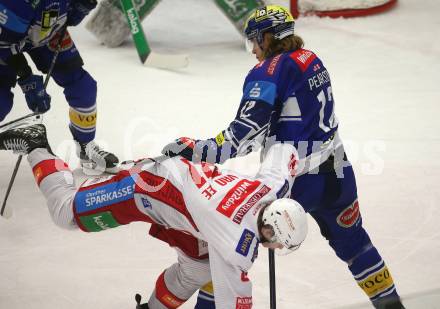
column 242, row 211
column 349, row 216
column 303, row 58
column 66, row 42
column 243, row 303
column 236, row 196
column 273, row 65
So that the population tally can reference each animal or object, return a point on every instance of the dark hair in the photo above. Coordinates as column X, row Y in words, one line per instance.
column 276, row 47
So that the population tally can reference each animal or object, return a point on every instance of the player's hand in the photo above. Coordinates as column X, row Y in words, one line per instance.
column 183, row 146
column 78, row 9
column 36, row 96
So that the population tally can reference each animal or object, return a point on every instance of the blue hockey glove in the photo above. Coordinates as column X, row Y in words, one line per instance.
column 36, row 96
column 183, row 146
column 79, row 9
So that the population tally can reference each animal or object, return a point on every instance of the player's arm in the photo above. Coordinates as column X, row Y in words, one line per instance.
column 37, row 99
column 278, row 168
column 244, row 134
column 232, row 287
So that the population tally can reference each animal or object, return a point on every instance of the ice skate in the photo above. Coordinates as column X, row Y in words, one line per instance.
column 23, row 140
column 95, row 160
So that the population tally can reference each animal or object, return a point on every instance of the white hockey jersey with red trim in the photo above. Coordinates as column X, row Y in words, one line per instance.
column 217, row 206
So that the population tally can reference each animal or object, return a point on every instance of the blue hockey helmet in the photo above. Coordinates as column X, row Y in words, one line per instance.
column 273, row 19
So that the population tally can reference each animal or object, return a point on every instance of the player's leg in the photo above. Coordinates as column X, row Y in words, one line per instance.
column 205, row 299
column 8, row 79
column 52, row 174
column 332, row 202
column 179, row 282
column 192, row 247
column 80, row 90
column 71, row 207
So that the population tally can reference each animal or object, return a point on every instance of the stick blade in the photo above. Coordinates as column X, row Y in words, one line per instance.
column 165, row 61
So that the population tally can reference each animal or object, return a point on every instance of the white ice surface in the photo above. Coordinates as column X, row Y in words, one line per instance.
column 385, row 72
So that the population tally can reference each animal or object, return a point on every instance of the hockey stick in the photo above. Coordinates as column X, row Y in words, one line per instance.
column 8, row 213
column 17, row 121
column 146, row 55
column 273, row 296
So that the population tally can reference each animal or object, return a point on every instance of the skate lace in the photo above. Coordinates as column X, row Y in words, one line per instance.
column 94, row 152
column 16, row 144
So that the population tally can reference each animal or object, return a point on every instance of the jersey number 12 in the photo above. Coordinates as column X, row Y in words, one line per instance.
column 327, row 99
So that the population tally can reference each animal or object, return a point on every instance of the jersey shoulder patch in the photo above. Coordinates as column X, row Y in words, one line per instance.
column 259, row 90
column 303, row 58
column 244, row 244
column 10, row 20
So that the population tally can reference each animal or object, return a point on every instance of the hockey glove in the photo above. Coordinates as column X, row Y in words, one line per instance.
column 79, row 9
column 183, row 146
column 36, row 96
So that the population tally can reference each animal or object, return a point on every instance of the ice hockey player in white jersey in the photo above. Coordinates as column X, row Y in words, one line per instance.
column 233, row 214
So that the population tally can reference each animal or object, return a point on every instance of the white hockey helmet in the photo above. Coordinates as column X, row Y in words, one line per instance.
column 289, row 223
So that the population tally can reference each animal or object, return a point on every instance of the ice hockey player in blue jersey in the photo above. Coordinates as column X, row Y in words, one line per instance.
column 288, row 97
column 34, row 27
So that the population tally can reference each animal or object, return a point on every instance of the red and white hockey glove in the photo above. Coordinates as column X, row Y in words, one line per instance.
column 183, row 146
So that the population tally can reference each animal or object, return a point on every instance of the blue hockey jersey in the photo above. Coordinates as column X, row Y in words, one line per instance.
column 25, row 24
column 286, row 98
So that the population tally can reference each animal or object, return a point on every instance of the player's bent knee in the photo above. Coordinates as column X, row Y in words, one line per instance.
column 80, row 88
column 198, row 278
column 164, row 296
